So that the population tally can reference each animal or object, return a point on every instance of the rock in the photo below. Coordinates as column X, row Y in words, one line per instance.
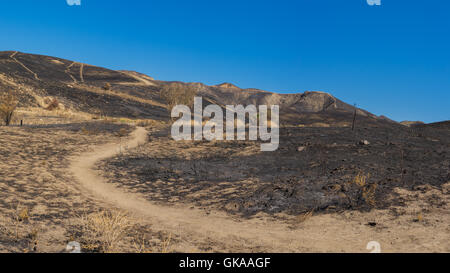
column 364, row 142
column 301, row 148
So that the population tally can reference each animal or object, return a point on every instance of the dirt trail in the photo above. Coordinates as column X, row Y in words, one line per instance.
column 67, row 71
column 142, row 80
column 323, row 233
column 24, row 66
column 81, row 72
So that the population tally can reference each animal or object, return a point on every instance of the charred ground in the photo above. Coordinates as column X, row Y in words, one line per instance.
column 315, row 169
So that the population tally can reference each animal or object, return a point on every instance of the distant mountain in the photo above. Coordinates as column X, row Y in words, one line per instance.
column 411, row 123
column 80, row 87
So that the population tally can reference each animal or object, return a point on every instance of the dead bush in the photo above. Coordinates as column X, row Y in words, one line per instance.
column 363, row 192
column 122, row 132
column 52, row 104
column 178, row 94
column 8, row 104
column 107, row 86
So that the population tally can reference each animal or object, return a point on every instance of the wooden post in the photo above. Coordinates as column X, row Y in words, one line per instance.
column 354, row 118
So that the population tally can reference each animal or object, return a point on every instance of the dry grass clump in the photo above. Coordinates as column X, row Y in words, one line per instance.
column 20, row 216
column 19, row 230
column 298, row 220
column 42, row 116
column 419, row 218
column 361, row 179
column 305, row 216
column 123, row 120
column 369, row 194
column 89, row 131
column 107, row 228
column 145, row 122
column 366, row 191
column 112, row 231
column 8, row 104
column 165, row 247
column 107, row 86
column 320, row 125
column 122, row 132
column 142, row 245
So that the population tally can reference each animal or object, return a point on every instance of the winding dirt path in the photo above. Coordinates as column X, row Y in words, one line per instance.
column 323, row 233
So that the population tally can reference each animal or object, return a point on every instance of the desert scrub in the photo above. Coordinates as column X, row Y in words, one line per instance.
column 363, row 193
column 142, row 245
column 122, row 132
column 52, row 104
column 107, row 86
column 104, row 230
column 20, row 231
column 8, row 104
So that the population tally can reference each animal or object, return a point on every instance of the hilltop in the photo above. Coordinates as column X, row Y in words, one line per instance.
column 80, row 87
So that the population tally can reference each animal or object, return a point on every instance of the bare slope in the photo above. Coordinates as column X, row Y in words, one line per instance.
column 80, row 86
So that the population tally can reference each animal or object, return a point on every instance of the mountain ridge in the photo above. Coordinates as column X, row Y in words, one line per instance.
column 136, row 95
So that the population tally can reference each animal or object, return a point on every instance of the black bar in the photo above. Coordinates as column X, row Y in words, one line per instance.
column 230, row 262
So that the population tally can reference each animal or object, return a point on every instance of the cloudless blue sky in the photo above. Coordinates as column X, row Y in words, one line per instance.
column 391, row 60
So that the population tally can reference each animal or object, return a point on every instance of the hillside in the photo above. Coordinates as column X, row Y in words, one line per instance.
column 79, row 87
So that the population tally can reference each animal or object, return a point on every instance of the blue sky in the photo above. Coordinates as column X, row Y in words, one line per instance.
column 392, row 59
